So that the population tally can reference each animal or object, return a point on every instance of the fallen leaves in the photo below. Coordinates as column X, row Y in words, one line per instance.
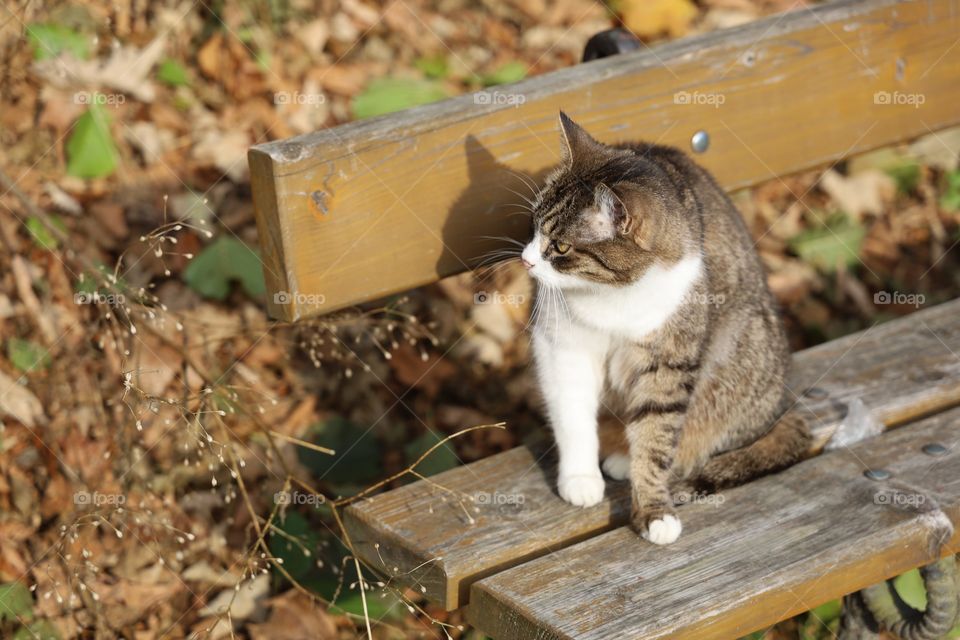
column 125, row 70
column 294, row 617
column 225, row 59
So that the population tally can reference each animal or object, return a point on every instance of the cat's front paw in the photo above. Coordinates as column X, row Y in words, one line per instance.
column 659, row 526
column 581, row 490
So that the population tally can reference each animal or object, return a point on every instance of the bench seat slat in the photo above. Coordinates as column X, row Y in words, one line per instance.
column 774, row 548
column 901, row 370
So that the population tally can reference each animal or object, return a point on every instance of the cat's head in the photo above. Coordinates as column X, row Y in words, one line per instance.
column 604, row 216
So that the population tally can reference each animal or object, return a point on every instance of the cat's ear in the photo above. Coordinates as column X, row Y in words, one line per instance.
column 613, row 210
column 575, row 142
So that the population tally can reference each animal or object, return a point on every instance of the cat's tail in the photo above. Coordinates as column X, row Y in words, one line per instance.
column 785, row 444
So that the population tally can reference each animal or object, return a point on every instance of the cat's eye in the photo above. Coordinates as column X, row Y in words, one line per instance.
column 561, row 247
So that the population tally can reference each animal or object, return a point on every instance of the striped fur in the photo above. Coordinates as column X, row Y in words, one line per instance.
column 653, row 313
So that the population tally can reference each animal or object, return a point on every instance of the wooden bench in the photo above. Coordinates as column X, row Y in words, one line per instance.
column 351, row 214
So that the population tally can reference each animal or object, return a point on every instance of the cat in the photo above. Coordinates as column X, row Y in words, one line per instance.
column 654, row 326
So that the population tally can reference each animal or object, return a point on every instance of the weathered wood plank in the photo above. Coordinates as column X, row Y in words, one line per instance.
column 769, row 550
column 442, row 541
column 363, row 210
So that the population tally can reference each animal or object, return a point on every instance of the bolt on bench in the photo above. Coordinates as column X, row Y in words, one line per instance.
column 351, row 214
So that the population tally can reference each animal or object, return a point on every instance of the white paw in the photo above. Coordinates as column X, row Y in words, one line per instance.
column 581, row 490
column 617, row 466
column 663, row 530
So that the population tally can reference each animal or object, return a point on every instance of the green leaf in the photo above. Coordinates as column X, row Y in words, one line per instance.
column 16, row 602
column 906, row 175
column 90, row 149
column 295, row 561
column 50, row 40
column 829, row 246
column 39, row 630
column 27, row 356
column 41, row 235
column 510, row 72
column 435, row 67
column 441, row 459
column 172, row 73
column 357, row 457
column 226, row 260
column 950, row 200
column 386, row 95
column 380, row 604
column 828, row 611
column 910, row 587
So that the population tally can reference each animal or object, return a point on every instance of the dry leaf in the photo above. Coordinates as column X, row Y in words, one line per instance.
column 294, row 617
column 149, row 139
column 225, row 150
column 19, row 403
column 863, row 193
column 650, row 18
column 413, row 371
column 313, row 36
column 243, row 602
column 127, row 70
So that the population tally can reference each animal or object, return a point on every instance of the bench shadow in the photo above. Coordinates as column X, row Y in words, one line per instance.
column 488, row 209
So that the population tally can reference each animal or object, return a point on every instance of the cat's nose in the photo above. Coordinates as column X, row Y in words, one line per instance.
column 526, row 263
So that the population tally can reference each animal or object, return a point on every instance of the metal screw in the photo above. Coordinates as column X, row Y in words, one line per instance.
column 934, row 449
column 700, row 141
column 877, row 474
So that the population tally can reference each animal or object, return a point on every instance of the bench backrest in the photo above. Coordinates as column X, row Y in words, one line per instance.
column 360, row 211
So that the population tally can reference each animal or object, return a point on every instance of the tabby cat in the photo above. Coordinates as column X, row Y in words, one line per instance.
column 654, row 329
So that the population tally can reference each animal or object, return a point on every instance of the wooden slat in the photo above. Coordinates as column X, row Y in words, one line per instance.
column 900, row 370
column 770, row 550
column 363, row 210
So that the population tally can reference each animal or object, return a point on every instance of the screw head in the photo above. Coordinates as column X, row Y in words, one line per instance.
column 877, row 474
column 934, row 449
column 700, row 141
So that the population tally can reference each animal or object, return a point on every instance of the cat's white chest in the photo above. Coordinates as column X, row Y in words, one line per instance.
column 638, row 309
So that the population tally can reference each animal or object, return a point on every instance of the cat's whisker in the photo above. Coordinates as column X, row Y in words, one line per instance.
column 521, row 196
column 566, row 307
column 505, row 239
column 499, row 255
column 527, row 181
column 489, row 273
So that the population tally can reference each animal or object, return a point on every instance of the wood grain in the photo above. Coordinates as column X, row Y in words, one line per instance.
column 356, row 212
column 441, row 540
column 769, row 550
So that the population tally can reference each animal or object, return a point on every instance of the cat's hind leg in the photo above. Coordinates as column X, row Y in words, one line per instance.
column 614, row 448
